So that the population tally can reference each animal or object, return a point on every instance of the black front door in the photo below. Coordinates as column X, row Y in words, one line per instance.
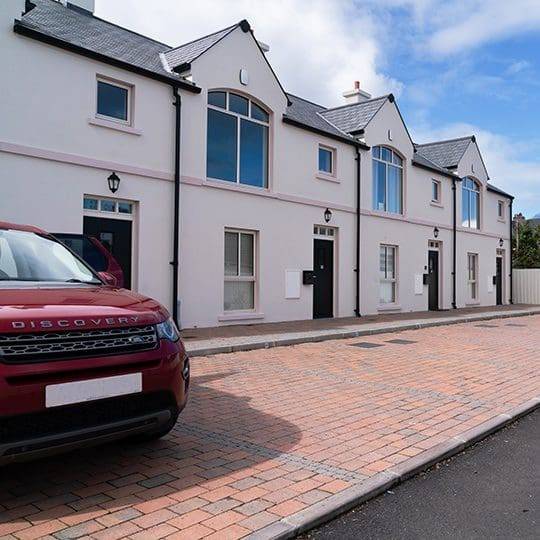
column 115, row 235
column 499, row 281
column 323, row 289
column 433, row 280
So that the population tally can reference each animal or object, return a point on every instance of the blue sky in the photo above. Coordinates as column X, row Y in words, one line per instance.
column 457, row 67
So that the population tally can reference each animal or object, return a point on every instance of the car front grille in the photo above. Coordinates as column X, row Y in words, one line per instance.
column 49, row 346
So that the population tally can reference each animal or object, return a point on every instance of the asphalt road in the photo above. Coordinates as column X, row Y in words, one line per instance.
column 491, row 490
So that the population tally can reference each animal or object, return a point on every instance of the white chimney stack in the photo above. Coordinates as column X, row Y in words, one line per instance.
column 357, row 95
column 87, row 5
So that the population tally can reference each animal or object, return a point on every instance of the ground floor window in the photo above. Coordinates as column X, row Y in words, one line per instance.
column 473, row 275
column 239, row 289
column 387, row 267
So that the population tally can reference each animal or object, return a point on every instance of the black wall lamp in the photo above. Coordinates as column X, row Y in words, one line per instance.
column 327, row 215
column 114, row 182
column 436, row 232
column 501, row 242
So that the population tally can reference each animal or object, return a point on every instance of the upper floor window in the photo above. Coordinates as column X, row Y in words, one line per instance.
column 470, row 203
column 326, row 160
column 500, row 210
column 237, row 140
column 435, row 191
column 113, row 101
column 387, row 180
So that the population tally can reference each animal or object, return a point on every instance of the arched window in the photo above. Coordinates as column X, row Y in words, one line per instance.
column 237, row 140
column 387, row 180
column 470, row 203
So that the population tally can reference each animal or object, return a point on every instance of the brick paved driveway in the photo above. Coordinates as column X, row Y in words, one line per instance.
column 268, row 433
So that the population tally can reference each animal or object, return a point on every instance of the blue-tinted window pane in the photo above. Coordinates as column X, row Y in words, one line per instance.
column 112, row 101
column 218, row 99
column 107, row 205
column 473, row 209
column 325, row 160
column 386, row 155
column 90, row 204
column 253, row 153
column 221, row 146
column 394, row 190
column 377, row 152
column 379, row 185
column 238, row 104
column 258, row 113
column 465, row 215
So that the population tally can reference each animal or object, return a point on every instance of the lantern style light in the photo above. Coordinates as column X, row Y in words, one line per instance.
column 501, row 242
column 327, row 215
column 436, row 232
column 114, row 182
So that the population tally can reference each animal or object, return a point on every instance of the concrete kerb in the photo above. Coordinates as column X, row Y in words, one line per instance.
column 340, row 503
column 347, row 334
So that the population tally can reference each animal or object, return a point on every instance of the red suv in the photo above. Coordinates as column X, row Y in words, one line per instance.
column 81, row 362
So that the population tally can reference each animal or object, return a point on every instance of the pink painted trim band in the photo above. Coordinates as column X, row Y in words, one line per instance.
column 74, row 159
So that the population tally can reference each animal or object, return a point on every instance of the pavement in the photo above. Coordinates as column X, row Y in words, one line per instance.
column 491, row 490
column 233, row 338
column 275, row 441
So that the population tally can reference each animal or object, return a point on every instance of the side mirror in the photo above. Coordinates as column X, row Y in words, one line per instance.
column 108, row 279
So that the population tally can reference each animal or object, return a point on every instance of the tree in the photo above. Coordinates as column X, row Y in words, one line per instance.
column 526, row 246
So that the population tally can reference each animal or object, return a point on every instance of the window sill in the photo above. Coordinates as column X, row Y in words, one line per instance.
column 234, row 186
column 327, row 177
column 113, row 125
column 388, row 307
column 501, row 220
column 240, row 316
column 475, row 303
column 436, row 204
column 391, row 215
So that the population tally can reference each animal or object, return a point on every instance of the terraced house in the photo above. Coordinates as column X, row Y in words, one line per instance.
column 227, row 198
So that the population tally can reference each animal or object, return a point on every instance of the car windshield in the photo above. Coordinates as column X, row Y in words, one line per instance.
column 27, row 256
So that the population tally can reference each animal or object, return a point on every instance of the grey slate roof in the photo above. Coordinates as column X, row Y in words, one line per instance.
column 81, row 29
column 355, row 117
column 495, row 189
column 422, row 161
column 446, row 154
column 186, row 53
column 309, row 114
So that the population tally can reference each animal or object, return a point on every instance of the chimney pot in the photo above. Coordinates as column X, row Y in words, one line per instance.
column 357, row 95
column 357, row 85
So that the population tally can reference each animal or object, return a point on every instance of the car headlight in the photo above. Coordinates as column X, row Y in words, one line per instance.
column 168, row 330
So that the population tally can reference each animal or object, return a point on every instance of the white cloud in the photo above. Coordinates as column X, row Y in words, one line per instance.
column 318, row 48
column 513, row 166
column 517, row 67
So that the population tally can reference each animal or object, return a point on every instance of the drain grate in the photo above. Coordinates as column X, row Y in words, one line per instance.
column 401, row 341
column 516, row 324
column 486, row 326
column 367, row 345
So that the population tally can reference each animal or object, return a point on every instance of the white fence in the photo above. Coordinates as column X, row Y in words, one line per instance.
column 527, row 286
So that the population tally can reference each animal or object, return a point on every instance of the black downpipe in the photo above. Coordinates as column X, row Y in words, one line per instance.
column 358, row 201
column 176, row 222
column 454, row 241
column 511, row 252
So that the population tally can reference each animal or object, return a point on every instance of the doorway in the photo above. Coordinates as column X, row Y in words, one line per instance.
column 116, row 236
column 499, row 281
column 433, row 280
column 323, row 269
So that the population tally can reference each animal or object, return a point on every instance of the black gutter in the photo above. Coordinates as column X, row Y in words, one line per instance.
column 23, row 30
column 342, row 138
column 358, row 212
column 511, row 299
column 176, row 220
column 454, row 240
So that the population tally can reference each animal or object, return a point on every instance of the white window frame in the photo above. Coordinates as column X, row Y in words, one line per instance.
column 240, row 278
column 501, row 210
column 477, row 189
column 438, row 183
column 130, row 92
column 333, row 155
column 387, row 164
column 393, row 280
column 472, row 276
column 239, row 117
column 113, row 214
